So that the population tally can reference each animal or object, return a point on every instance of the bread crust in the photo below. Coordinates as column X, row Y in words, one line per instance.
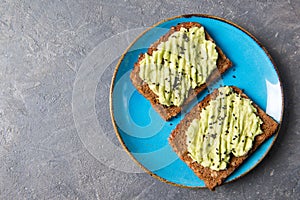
column 213, row 178
column 167, row 112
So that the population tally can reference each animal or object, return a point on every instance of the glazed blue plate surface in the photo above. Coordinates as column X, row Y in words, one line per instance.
column 144, row 134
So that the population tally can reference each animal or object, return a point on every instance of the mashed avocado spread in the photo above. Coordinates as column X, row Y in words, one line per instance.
column 227, row 125
column 179, row 64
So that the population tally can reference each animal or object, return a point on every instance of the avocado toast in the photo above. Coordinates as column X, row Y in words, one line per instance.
column 219, row 133
column 177, row 67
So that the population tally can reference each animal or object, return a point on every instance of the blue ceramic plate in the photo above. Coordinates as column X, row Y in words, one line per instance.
column 144, row 134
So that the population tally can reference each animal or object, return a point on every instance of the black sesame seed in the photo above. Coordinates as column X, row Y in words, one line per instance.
column 234, row 76
column 235, row 127
column 194, row 46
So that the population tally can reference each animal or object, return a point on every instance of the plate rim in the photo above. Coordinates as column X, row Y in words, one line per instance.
column 151, row 173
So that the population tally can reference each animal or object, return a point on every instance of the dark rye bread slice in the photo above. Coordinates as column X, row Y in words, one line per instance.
column 211, row 177
column 167, row 112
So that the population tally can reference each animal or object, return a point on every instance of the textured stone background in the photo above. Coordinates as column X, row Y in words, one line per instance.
column 42, row 45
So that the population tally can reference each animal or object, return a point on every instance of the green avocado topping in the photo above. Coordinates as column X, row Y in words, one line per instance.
column 227, row 125
column 179, row 64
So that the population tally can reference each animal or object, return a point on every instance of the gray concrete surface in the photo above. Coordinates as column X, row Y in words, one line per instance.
column 42, row 46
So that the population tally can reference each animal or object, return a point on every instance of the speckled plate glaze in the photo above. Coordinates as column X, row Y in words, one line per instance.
column 143, row 133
